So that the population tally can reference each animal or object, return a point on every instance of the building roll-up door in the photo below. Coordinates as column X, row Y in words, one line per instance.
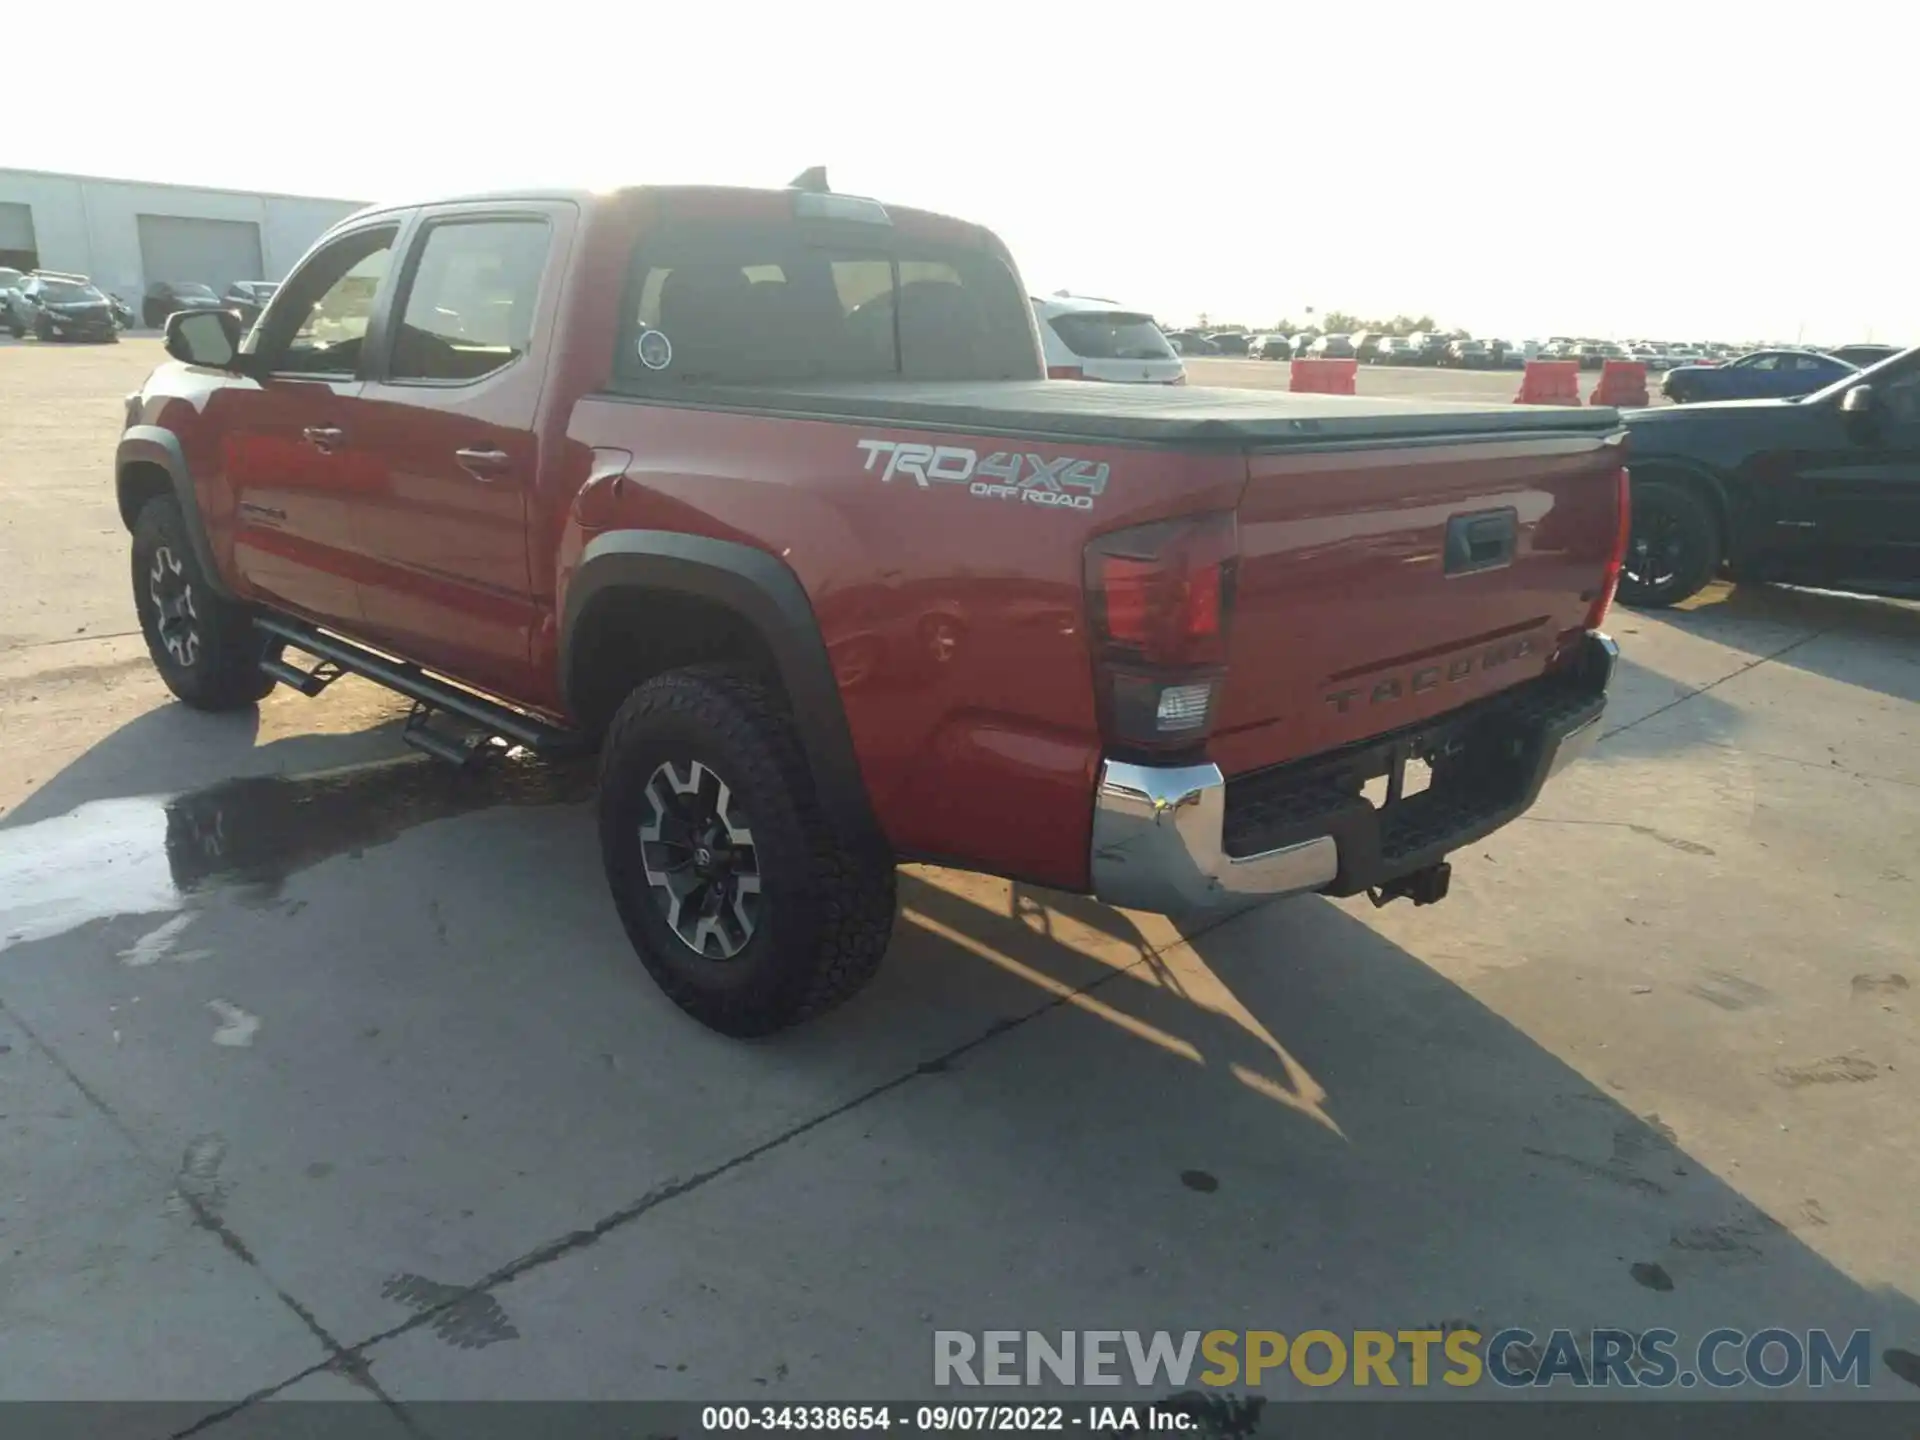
column 18, row 248
column 214, row 252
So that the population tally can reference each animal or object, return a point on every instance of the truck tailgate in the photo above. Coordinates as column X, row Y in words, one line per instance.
column 1381, row 585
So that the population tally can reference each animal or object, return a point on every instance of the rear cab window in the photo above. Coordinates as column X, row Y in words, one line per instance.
column 765, row 301
column 1113, row 335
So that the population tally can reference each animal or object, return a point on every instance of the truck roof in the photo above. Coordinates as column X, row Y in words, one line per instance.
column 588, row 198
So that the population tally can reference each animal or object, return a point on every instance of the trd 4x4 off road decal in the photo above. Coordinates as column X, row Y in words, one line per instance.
column 1064, row 482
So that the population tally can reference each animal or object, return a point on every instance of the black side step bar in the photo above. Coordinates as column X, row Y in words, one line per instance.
column 340, row 657
column 460, row 751
column 308, row 682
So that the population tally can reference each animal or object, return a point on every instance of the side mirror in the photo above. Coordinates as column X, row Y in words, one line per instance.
column 204, row 337
column 1858, row 401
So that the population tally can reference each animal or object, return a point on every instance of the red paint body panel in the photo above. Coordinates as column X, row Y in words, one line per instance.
column 955, row 624
column 1341, row 586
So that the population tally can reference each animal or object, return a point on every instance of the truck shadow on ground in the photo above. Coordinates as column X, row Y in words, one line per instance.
column 1276, row 1118
column 1860, row 640
column 172, row 750
column 1640, row 693
column 1378, row 1142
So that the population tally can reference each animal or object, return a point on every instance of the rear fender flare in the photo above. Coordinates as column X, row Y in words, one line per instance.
column 765, row 593
column 154, row 445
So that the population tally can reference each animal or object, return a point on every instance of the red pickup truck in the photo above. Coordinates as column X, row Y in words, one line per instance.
column 765, row 494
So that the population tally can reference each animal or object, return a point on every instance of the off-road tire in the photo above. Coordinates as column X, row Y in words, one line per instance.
column 1680, row 511
column 221, row 669
column 825, row 911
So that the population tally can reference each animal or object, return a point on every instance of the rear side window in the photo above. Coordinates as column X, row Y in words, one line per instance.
column 713, row 304
column 469, row 308
column 1111, row 335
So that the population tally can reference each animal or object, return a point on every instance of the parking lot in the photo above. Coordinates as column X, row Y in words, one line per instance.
column 329, row 1073
column 1403, row 381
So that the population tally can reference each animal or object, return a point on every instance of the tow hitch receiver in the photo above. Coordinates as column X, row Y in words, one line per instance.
column 1423, row 887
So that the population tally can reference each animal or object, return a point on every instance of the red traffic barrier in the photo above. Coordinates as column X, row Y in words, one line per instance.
column 1323, row 377
column 1550, row 382
column 1622, row 382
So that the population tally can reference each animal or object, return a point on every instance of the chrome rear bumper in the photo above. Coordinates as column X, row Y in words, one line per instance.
column 1159, row 832
column 1157, row 844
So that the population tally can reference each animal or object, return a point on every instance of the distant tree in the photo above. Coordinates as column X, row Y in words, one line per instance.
column 1339, row 322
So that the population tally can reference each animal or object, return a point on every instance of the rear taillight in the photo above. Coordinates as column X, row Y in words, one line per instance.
column 1623, row 530
column 1159, row 599
column 1065, row 372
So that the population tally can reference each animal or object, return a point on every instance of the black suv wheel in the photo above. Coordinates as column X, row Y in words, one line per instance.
column 739, row 899
column 1674, row 548
column 205, row 648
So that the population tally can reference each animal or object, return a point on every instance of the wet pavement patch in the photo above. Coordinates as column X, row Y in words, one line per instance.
column 468, row 1319
column 148, row 855
column 198, row 1178
column 1654, row 1277
column 1892, row 984
column 1835, row 1070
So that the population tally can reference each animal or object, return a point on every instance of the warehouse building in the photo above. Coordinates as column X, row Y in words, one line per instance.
column 127, row 234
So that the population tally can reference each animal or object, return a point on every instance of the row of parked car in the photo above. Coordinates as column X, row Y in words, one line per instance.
column 1087, row 338
column 58, row 305
column 1433, row 348
column 1419, row 348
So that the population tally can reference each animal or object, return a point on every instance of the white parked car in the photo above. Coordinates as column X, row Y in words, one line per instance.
column 1090, row 339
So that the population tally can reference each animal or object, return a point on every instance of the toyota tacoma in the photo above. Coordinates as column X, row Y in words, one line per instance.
column 764, row 494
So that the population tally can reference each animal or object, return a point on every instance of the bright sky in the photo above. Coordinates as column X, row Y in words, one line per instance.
column 1612, row 167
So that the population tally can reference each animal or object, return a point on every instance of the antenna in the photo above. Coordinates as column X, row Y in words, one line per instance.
column 812, row 179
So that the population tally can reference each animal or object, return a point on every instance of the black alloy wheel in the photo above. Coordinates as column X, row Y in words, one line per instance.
column 1673, row 549
column 205, row 647
column 176, row 620
column 749, row 909
column 698, row 855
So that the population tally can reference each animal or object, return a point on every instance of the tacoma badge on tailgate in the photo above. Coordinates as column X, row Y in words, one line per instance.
column 1429, row 677
column 1003, row 475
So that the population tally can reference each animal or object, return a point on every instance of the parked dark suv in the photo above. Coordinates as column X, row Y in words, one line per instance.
column 166, row 296
column 63, row 307
column 247, row 298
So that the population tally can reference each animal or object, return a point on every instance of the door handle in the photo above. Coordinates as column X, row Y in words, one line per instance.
column 483, row 464
column 323, row 437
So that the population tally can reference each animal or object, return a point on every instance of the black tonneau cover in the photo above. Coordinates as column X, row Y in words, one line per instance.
column 1183, row 416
